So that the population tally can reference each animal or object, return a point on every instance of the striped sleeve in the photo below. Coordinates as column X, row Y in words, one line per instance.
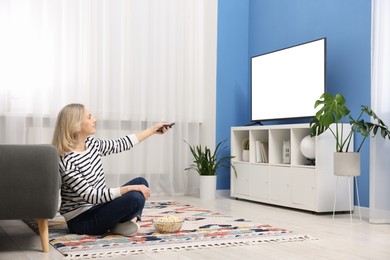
column 107, row 147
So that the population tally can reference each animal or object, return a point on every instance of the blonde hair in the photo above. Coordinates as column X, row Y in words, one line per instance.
column 69, row 123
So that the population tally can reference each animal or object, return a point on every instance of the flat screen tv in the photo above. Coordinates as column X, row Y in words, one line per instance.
column 286, row 83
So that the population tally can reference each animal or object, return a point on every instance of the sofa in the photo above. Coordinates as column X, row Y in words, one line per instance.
column 29, row 185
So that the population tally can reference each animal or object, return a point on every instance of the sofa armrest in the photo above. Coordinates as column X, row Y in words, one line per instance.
column 29, row 181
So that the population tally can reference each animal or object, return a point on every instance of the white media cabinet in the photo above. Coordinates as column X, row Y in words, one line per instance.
column 294, row 184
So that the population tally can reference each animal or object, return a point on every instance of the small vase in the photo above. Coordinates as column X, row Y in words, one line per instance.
column 346, row 164
column 245, row 155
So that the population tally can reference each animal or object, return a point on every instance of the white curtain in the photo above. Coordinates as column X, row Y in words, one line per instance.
column 131, row 62
column 380, row 102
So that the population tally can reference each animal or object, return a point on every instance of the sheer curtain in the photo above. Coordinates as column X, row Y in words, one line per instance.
column 380, row 93
column 132, row 63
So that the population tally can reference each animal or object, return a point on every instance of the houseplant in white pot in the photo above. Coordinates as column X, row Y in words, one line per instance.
column 333, row 110
column 206, row 162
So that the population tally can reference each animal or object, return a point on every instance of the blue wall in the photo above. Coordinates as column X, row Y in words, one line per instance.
column 248, row 28
column 232, row 73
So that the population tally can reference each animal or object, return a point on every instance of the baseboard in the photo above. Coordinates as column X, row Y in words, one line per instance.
column 223, row 193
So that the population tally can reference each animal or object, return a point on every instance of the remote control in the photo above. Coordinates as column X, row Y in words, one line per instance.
column 165, row 126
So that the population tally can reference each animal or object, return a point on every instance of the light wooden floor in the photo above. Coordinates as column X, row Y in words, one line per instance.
column 336, row 239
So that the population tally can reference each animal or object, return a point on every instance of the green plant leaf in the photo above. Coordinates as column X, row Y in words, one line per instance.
column 206, row 162
column 332, row 110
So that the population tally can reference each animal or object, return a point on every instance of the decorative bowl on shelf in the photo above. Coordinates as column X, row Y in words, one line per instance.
column 167, row 224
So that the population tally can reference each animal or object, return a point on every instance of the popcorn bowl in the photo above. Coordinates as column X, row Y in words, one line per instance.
column 167, row 224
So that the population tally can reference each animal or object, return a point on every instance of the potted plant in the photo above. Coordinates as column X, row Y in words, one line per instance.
column 245, row 149
column 333, row 110
column 206, row 162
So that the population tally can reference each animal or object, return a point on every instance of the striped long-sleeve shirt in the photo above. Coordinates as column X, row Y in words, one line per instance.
column 83, row 181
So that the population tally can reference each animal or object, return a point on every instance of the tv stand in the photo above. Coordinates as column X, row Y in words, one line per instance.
column 290, row 182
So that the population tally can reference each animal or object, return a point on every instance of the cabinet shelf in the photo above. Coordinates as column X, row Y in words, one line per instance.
column 284, row 176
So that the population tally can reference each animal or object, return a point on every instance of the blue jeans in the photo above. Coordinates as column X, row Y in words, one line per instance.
column 101, row 218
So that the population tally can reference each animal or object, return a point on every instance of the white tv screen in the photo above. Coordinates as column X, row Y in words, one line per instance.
column 286, row 83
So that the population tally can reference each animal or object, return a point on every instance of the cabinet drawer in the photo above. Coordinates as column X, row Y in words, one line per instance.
column 304, row 187
column 240, row 183
column 259, row 182
column 280, row 184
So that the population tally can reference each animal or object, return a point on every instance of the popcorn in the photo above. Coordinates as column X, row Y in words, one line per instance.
column 167, row 224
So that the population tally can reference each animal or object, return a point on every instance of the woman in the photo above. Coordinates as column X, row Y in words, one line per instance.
column 87, row 205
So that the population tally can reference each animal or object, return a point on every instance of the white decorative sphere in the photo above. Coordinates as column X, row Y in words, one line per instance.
column 308, row 147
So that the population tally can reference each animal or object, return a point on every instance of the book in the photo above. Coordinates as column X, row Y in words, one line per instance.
column 265, row 151
column 258, row 152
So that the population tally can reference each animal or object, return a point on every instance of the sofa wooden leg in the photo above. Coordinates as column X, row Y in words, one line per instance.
column 43, row 225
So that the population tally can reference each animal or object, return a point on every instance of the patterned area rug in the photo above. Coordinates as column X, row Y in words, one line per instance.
column 202, row 229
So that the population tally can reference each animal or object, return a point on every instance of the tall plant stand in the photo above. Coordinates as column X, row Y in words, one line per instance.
column 350, row 192
column 347, row 165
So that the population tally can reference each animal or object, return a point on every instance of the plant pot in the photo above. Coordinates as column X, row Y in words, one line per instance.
column 245, row 155
column 207, row 186
column 346, row 164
